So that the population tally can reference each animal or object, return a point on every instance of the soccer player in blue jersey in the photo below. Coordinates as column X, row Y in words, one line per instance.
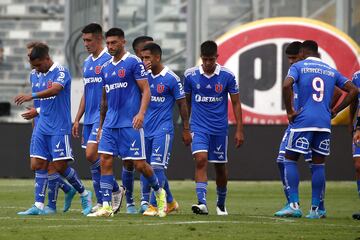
column 166, row 89
column 311, row 122
column 51, row 139
column 207, row 88
column 126, row 95
column 90, row 106
column 354, row 111
column 55, row 181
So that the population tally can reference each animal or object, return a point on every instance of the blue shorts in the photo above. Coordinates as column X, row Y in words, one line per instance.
column 51, row 147
column 282, row 148
column 302, row 142
column 128, row 143
column 215, row 145
column 158, row 149
column 31, row 150
column 89, row 134
column 356, row 150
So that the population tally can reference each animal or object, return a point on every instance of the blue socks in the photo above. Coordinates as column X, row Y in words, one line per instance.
column 63, row 185
column 318, row 183
column 72, row 177
column 221, row 195
column 153, row 182
column 95, row 175
column 128, row 182
column 291, row 176
column 281, row 170
column 145, row 189
column 159, row 173
column 106, row 185
column 201, row 192
column 41, row 181
column 169, row 196
column 53, row 187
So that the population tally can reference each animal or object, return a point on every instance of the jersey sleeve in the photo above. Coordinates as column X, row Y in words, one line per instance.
column 62, row 77
column 187, row 84
column 356, row 80
column 177, row 89
column 233, row 86
column 293, row 73
column 340, row 80
column 140, row 72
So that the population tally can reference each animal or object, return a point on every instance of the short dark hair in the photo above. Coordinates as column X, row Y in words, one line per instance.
column 39, row 51
column 208, row 48
column 139, row 40
column 293, row 48
column 92, row 28
column 310, row 45
column 115, row 32
column 154, row 48
column 33, row 44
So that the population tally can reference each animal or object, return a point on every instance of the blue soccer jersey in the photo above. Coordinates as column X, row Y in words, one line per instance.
column 122, row 92
column 209, row 98
column 35, row 87
column 165, row 88
column 315, row 82
column 356, row 82
column 93, row 86
column 55, row 111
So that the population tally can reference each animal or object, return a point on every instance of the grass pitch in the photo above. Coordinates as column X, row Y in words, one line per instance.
column 250, row 204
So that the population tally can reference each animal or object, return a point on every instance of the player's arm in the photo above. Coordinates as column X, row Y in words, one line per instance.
column 103, row 110
column 53, row 91
column 80, row 113
column 336, row 96
column 186, row 136
column 239, row 132
column 143, row 85
column 352, row 91
column 288, row 95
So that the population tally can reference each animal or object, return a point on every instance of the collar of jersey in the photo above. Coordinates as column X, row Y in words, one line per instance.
column 55, row 64
column 162, row 73
column 101, row 53
column 314, row 59
column 122, row 59
column 216, row 72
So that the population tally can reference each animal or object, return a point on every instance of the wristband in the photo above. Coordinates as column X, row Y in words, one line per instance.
column 34, row 96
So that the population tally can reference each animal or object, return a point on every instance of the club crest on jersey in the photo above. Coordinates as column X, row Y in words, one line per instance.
column 49, row 84
column 160, row 88
column 218, row 88
column 121, row 73
column 97, row 69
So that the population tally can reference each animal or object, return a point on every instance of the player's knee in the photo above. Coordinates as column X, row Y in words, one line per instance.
column 37, row 164
column 201, row 163
column 357, row 165
column 91, row 156
column 140, row 166
column 128, row 165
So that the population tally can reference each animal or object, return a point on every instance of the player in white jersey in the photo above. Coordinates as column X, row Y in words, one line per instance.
column 90, row 106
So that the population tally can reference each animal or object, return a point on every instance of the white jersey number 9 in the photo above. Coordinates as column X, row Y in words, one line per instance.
column 318, row 86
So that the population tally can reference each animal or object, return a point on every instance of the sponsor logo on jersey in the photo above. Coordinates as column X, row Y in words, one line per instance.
column 199, row 98
column 110, row 87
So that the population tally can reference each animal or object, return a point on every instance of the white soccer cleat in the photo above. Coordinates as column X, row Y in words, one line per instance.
column 102, row 212
column 96, row 207
column 117, row 198
column 221, row 212
column 200, row 209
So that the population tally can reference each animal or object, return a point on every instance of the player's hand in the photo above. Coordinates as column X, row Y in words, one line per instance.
column 21, row 98
column 147, row 65
column 186, row 137
column 239, row 139
column 356, row 137
column 138, row 121
column 99, row 134
column 75, row 130
column 30, row 113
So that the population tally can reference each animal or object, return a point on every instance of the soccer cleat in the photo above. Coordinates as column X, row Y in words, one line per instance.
column 221, row 211
column 151, row 211
column 289, row 211
column 32, row 211
column 322, row 213
column 200, row 209
column 356, row 216
column 96, row 207
column 117, row 198
column 68, row 199
column 48, row 210
column 161, row 202
column 315, row 213
column 102, row 212
column 283, row 209
column 131, row 209
column 86, row 203
column 143, row 207
column 173, row 206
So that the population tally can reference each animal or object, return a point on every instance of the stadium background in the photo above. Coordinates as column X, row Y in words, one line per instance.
column 179, row 26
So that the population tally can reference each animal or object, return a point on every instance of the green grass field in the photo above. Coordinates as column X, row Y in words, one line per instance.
column 250, row 205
